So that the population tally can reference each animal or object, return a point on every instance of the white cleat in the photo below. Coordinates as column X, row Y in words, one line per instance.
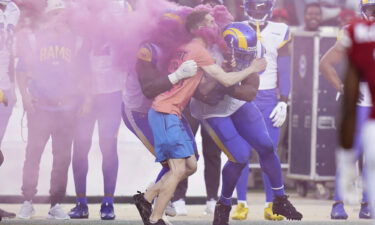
column 170, row 210
column 57, row 213
column 210, row 207
column 26, row 211
column 180, row 207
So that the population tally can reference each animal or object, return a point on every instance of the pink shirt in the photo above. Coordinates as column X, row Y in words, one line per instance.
column 175, row 100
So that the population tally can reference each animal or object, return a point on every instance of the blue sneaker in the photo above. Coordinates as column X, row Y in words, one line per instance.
column 81, row 211
column 364, row 213
column 338, row 212
column 107, row 212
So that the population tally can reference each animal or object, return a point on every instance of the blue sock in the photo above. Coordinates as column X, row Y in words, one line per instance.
column 278, row 191
column 163, row 171
column 82, row 200
column 107, row 199
column 242, row 184
column 267, row 188
column 231, row 172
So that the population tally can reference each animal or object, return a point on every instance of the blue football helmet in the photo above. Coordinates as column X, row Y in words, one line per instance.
column 364, row 5
column 259, row 11
column 242, row 40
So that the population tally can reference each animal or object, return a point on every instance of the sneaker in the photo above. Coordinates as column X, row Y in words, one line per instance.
column 240, row 213
column 364, row 213
column 180, row 207
column 57, row 213
column 81, row 211
column 338, row 211
column 221, row 215
column 268, row 214
column 170, row 210
column 26, row 211
column 210, row 207
column 107, row 211
column 160, row 222
column 143, row 206
column 282, row 206
column 5, row 214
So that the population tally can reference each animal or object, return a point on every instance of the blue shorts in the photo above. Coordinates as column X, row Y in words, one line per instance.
column 173, row 138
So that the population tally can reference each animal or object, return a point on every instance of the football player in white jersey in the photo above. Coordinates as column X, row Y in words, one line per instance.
column 333, row 57
column 273, row 91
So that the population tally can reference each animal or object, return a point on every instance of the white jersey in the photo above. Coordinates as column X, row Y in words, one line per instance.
column 365, row 95
column 224, row 108
column 273, row 37
column 107, row 78
column 8, row 20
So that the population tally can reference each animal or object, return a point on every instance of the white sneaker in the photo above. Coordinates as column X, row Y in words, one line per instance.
column 210, row 207
column 170, row 210
column 26, row 211
column 180, row 207
column 57, row 213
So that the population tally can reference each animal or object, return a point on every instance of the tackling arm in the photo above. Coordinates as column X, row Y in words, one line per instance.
column 232, row 78
column 151, row 80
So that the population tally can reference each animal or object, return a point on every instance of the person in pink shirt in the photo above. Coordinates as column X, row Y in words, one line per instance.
column 173, row 139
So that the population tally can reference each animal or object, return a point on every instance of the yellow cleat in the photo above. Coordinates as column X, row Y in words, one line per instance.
column 268, row 214
column 240, row 213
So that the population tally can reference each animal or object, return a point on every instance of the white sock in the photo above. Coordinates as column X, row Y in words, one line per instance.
column 243, row 202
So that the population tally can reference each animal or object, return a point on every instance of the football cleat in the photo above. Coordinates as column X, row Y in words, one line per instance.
column 365, row 212
column 107, row 211
column 282, row 206
column 338, row 211
column 80, row 211
column 221, row 215
column 268, row 214
column 143, row 206
column 240, row 213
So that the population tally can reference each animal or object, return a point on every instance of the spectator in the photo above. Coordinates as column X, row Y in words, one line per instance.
column 51, row 102
column 313, row 17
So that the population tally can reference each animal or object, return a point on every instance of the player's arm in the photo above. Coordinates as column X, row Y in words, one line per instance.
column 283, row 72
column 151, row 80
column 231, row 78
column 348, row 120
column 331, row 58
column 248, row 89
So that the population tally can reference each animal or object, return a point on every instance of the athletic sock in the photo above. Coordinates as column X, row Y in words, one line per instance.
column 82, row 200
column 107, row 199
column 231, row 173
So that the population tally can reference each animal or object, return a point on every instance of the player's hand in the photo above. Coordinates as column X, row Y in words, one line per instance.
column 278, row 114
column 258, row 65
column 349, row 177
column 3, row 98
column 187, row 69
column 29, row 103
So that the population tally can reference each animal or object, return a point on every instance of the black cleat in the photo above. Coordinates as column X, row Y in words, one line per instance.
column 221, row 215
column 144, row 208
column 160, row 222
column 282, row 206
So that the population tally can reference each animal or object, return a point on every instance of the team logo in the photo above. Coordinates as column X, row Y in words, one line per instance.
column 302, row 66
